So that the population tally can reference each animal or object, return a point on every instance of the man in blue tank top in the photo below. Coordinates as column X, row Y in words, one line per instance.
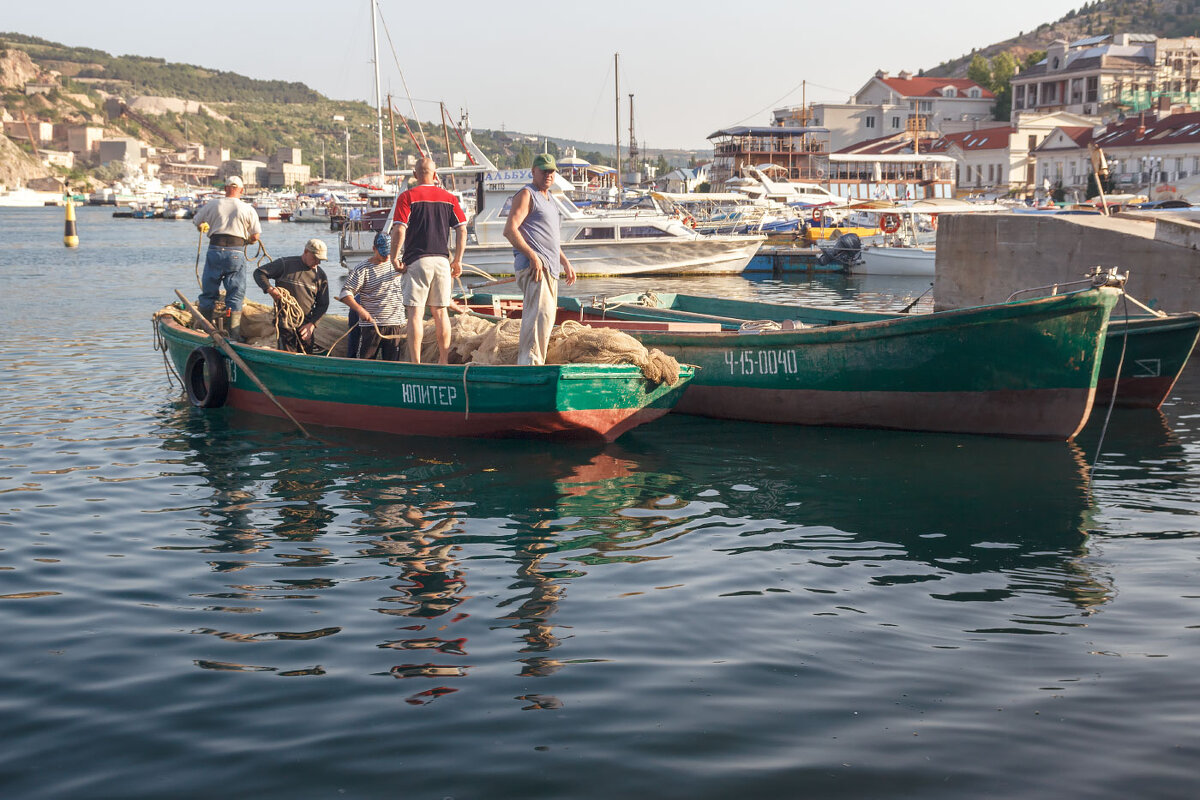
column 533, row 228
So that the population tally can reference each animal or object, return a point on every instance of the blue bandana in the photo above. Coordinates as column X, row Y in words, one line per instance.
column 382, row 244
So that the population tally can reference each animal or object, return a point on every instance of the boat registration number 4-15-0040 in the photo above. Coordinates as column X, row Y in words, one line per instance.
column 761, row 362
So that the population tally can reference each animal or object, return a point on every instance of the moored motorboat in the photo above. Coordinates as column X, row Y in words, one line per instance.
column 569, row 401
column 1024, row 368
column 912, row 260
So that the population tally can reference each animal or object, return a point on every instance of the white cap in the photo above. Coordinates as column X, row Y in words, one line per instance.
column 317, row 248
column 233, row 180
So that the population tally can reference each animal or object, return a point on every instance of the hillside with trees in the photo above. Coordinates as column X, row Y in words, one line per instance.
column 994, row 65
column 252, row 118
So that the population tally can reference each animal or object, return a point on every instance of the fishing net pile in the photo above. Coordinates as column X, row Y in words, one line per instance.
column 576, row 343
column 476, row 340
column 473, row 340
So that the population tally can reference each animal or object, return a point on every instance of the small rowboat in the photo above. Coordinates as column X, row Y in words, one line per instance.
column 568, row 401
column 1024, row 368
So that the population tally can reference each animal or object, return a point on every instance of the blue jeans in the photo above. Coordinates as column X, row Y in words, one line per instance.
column 223, row 266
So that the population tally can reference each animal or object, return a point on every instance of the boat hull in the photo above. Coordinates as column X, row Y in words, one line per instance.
column 728, row 255
column 570, row 401
column 1156, row 349
column 1150, row 354
column 1026, row 369
column 912, row 261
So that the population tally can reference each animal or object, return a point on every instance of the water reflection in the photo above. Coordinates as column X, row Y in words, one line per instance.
column 927, row 505
column 1143, row 475
column 480, row 543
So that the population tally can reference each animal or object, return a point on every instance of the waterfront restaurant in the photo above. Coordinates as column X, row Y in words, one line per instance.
column 802, row 153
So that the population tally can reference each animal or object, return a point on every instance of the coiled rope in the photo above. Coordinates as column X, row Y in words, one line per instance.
column 288, row 314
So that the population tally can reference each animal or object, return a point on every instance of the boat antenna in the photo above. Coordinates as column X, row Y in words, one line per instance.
column 378, row 101
column 404, row 83
column 633, row 148
column 617, row 83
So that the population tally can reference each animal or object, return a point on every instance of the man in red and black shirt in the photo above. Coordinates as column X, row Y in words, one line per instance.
column 423, row 219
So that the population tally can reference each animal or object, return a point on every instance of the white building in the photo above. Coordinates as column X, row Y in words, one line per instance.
column 999, row 160
column 682, row 180
column 1155, row 157
column 84, row 140
column 1107, row 76
column 887, row 106
column 58, row 158
column 22, row 129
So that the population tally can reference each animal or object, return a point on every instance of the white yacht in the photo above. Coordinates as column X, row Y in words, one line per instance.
column 755, row 183
column 23, row 197
column 640, row 240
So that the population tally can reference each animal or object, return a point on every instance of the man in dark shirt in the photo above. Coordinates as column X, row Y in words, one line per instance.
column 304, row 279
column 422, row 222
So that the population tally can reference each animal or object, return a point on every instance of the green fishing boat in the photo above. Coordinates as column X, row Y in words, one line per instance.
column 1147, row 352
column 1026, row 368
column 568, row 401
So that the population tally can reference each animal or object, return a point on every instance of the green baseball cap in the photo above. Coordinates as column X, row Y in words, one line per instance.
column 545, row 161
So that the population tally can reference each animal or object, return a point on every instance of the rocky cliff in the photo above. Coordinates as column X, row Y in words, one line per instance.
column 16, row 69
column 16, row 167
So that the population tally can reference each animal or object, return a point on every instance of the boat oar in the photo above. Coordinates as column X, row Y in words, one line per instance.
column 492, row 283
column 909, row 307
column 223, row 345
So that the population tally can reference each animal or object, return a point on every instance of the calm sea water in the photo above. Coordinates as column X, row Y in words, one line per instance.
column 201, row 604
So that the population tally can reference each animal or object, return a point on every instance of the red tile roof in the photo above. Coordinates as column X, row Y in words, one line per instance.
column 1133, row 132
column 929, row 87
column 1136, row 132
column 1079, row 134
column 973, row 141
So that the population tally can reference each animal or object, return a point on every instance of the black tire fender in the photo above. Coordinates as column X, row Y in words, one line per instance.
column 205, row 378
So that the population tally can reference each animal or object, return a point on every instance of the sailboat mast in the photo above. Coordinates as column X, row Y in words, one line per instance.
column 617, row 98
column 633, row 148
column 378, row 101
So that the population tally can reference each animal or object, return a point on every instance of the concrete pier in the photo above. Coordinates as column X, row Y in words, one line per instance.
column 786, row 258
column 983, row 258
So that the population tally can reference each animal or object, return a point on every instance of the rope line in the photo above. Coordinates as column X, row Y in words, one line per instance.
column 466, row 394
column 1112, row 400
column 161, row 346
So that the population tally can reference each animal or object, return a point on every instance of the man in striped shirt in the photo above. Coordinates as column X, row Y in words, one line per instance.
column 424, row 217
column 372, row 290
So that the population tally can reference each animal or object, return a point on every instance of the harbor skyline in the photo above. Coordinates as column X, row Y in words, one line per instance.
column 685, row 84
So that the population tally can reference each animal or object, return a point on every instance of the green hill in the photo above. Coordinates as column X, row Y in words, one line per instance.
column 250, row 117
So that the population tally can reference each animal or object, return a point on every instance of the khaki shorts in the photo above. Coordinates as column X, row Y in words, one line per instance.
column 427, row 282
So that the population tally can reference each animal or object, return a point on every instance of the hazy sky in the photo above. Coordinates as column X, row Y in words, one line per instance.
column 541, row 67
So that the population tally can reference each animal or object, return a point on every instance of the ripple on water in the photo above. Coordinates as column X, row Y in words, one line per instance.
column 199, row 599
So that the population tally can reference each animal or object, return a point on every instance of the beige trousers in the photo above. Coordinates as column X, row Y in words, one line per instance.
column 537, row 316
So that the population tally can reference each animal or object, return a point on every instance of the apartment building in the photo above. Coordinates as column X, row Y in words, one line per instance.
column 1110, row 76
